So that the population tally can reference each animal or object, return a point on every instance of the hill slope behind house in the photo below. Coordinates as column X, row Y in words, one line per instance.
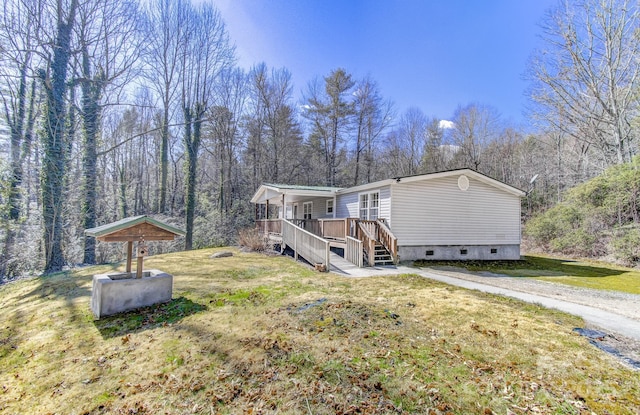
column 599, row 218
column 257, row 334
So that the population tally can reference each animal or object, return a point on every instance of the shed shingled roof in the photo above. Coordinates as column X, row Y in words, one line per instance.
column 125, row 223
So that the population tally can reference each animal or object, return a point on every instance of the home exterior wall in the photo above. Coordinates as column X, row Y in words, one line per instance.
column 319, row 208
column 348, row 203
column 435, row 219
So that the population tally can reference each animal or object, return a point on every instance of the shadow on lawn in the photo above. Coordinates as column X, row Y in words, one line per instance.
column 530, row 267
column 66, row 285
column 147, row 317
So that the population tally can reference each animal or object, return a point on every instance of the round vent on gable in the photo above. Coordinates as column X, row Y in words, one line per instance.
column 463, row 183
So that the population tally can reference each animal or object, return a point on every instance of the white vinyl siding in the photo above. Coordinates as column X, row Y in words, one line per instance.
column 319, row 208
column 437, row 212
column 348, row 204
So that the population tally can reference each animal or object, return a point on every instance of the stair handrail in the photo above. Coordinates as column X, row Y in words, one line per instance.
column 388, row 239
column 368, row 241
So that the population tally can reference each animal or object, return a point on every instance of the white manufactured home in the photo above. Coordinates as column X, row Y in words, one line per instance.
column 458, row 214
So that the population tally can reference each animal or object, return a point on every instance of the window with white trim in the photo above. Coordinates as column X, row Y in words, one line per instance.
column 369, row 205
column 330, row 207
column 307, row 208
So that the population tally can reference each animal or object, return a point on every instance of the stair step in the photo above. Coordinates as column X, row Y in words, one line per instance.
column 381, row 256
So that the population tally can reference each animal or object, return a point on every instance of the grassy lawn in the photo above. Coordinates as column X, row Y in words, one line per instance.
column 588, row 274
column 262, row 335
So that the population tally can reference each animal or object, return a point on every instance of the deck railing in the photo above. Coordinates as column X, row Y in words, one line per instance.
column 370, row 226
column 333, row 228
column 304, row 243
column 268, row 226
column 369, row 232
column 387, row 239
column 353, row 251
column 368, row 241
column 326, row 228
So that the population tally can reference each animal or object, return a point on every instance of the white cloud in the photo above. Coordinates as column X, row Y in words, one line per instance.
column 445, row 125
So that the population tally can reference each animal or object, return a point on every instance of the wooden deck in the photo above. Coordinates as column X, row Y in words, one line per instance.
column 362, row 241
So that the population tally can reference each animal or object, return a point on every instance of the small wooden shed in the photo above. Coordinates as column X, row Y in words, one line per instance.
column 137, row 228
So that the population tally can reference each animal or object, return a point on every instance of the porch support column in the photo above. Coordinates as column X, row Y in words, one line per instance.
column 129, row 255
column 284, row 208
column 266, row 214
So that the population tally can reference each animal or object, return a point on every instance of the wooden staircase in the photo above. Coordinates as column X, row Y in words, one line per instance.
column 381, row 256
column 379, row 245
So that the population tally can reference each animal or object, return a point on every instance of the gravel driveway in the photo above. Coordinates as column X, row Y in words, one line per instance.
column 615, row 313
column 625, row 304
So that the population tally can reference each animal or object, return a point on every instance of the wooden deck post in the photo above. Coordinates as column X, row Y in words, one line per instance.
column 129, row 255
column 139, row 264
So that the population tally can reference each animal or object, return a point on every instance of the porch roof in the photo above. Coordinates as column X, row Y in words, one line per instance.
column 274, row 192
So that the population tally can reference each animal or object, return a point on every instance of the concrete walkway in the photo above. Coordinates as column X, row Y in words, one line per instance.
column 341, row 266
column 606, row 320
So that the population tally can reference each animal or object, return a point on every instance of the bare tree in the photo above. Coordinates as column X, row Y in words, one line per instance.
column 436, row 154
column 406, row 143
column 373, row 116
column 19, row 97
column 329, row 110
column 55, row 140
column 207, row 54
column 475, row 126
column 585, row 80
column 274, row 135
column 224, row 131
column 167, row 26
column 107, row 36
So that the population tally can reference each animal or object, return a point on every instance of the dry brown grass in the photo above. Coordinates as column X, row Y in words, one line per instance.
column 248, row 334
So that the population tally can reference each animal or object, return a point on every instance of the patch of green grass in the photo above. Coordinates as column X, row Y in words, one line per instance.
column 148, row 317
column 579, row 273
column 173, row 355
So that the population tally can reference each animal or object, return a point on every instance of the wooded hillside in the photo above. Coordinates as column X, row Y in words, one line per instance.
column 598, row 218
column 114, row 109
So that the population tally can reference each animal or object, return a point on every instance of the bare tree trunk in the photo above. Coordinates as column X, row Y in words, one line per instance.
column 91, row 92
column 164, row 159
column 192, row 137
column 55, row 146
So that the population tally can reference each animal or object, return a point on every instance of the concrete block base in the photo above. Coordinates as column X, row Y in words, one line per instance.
column 459, row 252
column 118, row 292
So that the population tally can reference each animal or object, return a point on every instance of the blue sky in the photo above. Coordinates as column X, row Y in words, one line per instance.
column 435, row 55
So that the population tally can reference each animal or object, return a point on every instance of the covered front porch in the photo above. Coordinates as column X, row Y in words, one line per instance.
column 334, row 230
column 294, row 202
column 313, row 230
